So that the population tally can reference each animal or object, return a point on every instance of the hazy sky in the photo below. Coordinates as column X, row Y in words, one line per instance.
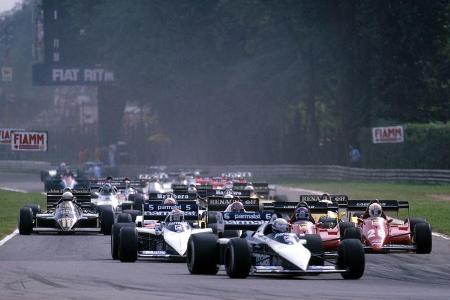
column 7, row 4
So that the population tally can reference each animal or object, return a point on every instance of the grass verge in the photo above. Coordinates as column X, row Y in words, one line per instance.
column 431, row 202
column 10, row 203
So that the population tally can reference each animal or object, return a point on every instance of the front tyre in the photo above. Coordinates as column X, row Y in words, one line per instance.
column 202, row 252
column 351, row 258
column 115, row 238
column 107, row 219
column 128, row 244
column 423, row 238
column 238, row 258
column 25, row 221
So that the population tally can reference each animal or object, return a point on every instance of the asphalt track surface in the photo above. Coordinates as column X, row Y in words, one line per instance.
column 80, row 267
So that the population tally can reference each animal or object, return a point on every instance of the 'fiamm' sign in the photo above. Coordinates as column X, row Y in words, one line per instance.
column 29, row 140
column 391, row 134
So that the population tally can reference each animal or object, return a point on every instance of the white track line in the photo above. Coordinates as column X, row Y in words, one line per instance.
column 8, row 237
column 12, row 190
column 16, row 231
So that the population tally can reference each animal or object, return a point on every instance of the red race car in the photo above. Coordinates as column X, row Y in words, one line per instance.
column 380, row 234
column 322, row 220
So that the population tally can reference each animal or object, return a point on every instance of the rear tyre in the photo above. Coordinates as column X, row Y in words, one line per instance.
column 315, row 245
column 115, row 238
column 138, row 202
column 212, row 221
column 352, row 233
column 423, row 238
column 128, row 244
column 107, row 219
column 124, row 218
column 202, row 252
column 35, row 208
column 25, row 221
column 133, row 213
column 351, row 257
column 238, row 259
column 343, row 226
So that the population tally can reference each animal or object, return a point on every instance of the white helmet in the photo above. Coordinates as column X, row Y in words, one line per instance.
column 375, row 210
column 170, row 201
column 67, row 196
column 249, row 187
column 280, row 225
column 228, row 194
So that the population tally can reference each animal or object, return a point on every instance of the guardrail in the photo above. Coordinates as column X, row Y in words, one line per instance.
column 273, row 173
column 23, row 166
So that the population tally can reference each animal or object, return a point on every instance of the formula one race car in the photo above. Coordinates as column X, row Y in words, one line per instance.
column 379, row 233
column 325, row 224
column 265, row 251
column 162, row 232
column 66, row 212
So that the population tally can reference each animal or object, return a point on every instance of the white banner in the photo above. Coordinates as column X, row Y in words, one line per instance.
column 29, row 141
column 391, row 134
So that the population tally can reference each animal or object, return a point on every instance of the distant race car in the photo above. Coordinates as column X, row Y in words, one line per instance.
column 66, row 215
column 265, row 252
column 385, row 234
column 161, row 232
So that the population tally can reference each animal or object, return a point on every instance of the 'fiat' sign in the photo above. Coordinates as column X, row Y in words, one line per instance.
column 29, row 141
column 5, row 135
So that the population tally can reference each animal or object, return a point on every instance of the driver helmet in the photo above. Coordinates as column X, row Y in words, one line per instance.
column 67, row 196
column 228, row 194
column 249, row 187
column 375, row 210
column 326, row 199
column 176, row 215
column 302, row 213
column 192, row 188
column 170, row 200
column 280, row 225
column 107, row 188
column 237, row 206
column 127, row 182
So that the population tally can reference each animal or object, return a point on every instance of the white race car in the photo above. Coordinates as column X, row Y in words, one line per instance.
column 162, row 231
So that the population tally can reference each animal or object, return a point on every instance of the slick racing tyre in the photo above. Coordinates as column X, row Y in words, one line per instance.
column 107, row 219
column 351, row 258
column 138, row 202
column 413, row 222
column 212, row 221
column 423, row 238
column 115, row 238
column 201, row 256
column 35, row 208
column 25, row 221
column 128, row 244
column 352, row 233
column 133, row 213
column 124, row 218
column 238, row 258
column 315, row 245
column 343, row 226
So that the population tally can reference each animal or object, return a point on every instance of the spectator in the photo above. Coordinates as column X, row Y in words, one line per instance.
column 355, row 157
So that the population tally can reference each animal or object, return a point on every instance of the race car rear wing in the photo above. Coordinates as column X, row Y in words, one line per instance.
column 179, row 188
column 289, row 207
column 155, row 210
column 216, row 203
column 387, row 205
column 82, row 197
column 341, row 200
column 242, row 220
column 261, row 188
column 178, row 196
